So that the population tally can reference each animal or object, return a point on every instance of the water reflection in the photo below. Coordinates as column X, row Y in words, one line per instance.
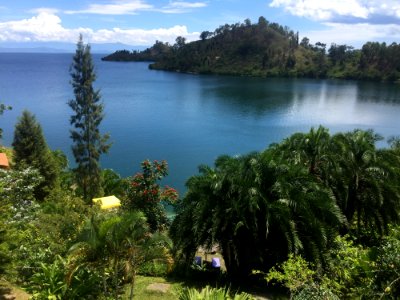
column 253, row 97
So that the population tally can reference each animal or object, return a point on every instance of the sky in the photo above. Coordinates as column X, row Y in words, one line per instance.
column 142, row 22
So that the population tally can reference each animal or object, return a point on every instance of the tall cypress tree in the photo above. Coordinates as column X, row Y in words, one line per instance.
column 89, row 143
column 30, row 149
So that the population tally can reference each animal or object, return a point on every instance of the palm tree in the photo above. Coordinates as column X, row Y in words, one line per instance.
column 366, row 186
column 257, row 209
column 309, row 149
column 120, row 242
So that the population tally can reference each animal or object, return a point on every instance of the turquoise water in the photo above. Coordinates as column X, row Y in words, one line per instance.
column 187, row 119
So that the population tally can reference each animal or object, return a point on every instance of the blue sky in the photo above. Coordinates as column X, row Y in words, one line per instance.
column 141, row 22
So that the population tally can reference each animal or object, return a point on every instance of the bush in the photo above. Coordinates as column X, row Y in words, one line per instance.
column 209, row 293
column 387, row 266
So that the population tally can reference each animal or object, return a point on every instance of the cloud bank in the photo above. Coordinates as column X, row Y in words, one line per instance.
column 124, row 7
column 46, row 26
column 347, row 21
column 339, row 10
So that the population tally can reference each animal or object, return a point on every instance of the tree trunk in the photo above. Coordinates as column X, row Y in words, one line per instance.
column 132, row 285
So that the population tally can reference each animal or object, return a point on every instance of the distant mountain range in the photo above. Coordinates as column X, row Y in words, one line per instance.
column 58, row 47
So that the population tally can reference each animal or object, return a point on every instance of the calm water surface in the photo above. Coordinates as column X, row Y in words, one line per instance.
column 186, row 119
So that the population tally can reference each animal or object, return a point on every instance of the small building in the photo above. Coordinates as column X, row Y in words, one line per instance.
column 108, row 202
column 4, row 164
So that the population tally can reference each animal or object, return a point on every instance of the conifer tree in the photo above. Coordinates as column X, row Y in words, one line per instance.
column 88, row 142
column 30, row 149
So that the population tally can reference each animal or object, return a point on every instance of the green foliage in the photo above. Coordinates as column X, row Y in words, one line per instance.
column 30, row 149
column 158, row 50
column 59, row 220
column 48, row 281
column 89, row 143
column 294, row 197
column 116, row 246
column 37, row 234
column 4, row 251
column 387, row 266
column 255, row 208
column 18, row 191
column 297, row 275
column 349, row 268
column 268, row 49
column 19, row 185
column 209, row 293
column 145, row 194
column 155, row 268
column 113, row 184
column 315, row 292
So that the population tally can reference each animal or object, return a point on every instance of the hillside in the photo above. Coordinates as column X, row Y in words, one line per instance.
column 268, row 49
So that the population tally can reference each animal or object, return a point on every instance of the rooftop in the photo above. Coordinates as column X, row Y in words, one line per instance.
column 4, row 161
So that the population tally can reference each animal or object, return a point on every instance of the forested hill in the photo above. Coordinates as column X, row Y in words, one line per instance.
column 268, row 49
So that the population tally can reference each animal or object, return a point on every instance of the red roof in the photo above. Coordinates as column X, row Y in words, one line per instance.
column 4, row 161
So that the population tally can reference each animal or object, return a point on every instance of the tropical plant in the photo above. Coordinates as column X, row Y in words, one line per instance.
column 48, row 281
column 113, row 184
column 257, row 209
column 118, row 244
column 89, row 143
column 366, row 186
column 209, row 293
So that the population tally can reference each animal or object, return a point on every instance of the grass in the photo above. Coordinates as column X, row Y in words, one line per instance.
column 141, row 290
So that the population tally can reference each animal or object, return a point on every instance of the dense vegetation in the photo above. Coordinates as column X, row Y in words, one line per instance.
column 269, row 49
column 318, row 215
column 311, row 196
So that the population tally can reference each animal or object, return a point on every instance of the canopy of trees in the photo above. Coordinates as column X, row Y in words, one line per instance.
column 294, row 197
column 268, row 49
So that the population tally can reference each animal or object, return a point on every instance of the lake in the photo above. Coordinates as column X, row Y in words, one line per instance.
column 185, row 119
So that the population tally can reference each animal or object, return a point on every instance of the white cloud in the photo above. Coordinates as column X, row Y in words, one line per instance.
column 44, row 10
column 354, row 34
column 329, row 10
column 120, row 7
column 125, row 7
column 182, row 6
column 141, row 36
column 46, row 27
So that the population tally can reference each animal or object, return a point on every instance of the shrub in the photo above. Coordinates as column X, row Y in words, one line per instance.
column 209, row 293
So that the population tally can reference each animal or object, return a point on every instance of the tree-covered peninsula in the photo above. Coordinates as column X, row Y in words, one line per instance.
column 268, row 49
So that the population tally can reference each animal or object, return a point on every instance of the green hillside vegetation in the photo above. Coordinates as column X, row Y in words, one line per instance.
column 268, row 49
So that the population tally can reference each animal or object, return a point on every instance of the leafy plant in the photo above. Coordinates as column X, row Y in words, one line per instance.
column 117, row 246
column 303, row 282
column 146, row 194
column 209, row 293
column 48, row 281
column 295, row 273
column 387, row 266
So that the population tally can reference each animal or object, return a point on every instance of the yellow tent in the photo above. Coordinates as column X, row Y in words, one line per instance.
column 108, row 202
